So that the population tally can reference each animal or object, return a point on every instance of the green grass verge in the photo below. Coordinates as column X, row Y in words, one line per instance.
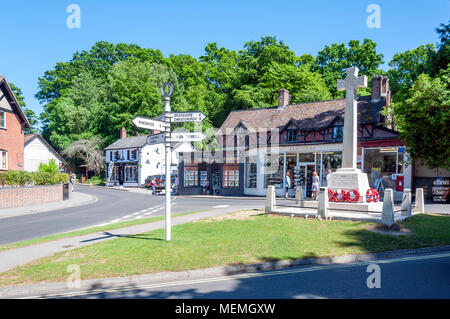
column 205, row 244
column 86, row 231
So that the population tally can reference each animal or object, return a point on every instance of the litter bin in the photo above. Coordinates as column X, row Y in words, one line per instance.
column 66, row 191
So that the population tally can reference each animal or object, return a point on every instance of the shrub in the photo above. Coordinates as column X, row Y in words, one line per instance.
column 51, row 167
column 23, row 178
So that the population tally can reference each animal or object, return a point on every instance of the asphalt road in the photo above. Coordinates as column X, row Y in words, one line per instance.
column 418, row 276
column 112, row 206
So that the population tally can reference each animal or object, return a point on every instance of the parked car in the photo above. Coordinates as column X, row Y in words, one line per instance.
column 160, row 181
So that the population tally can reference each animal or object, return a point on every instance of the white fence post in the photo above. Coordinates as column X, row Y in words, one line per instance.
column 322, row 205
column 406, row 203
column 270, row 199
column 387, row 216
column 420, row 206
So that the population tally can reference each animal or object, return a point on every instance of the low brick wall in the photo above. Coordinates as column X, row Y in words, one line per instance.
column 11, row 197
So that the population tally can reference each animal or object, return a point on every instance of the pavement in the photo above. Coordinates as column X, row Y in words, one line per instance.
column 77, row 199
column 418, row 273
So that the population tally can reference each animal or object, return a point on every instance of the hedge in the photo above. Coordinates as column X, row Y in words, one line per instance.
column 23, row 178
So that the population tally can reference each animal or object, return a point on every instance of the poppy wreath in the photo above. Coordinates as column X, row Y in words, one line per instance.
column 331, row 195
column 340, row 195
column 352, row 196
column 372, row 195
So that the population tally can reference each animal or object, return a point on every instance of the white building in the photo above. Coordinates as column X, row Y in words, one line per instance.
column 130, row 160
column 37, row 151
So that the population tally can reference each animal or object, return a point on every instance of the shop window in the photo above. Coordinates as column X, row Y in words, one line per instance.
column 251, row 173
column 131, row 174
column 204, row 181
column 231, row 176
column 380, row 164
column 291, row 163
column 274, row 171
column 306, row 157
column 190, row 177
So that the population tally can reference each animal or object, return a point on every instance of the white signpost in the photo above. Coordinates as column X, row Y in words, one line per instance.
column 177, row 117
column 149, row 124
column 186, row 137
column 156, row 139
column 162, row 123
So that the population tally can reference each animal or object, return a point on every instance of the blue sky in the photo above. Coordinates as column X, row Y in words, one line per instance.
column 35, row 35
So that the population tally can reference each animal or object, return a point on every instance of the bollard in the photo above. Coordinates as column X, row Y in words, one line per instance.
column 406, row 202
column 270, row 199
column 322, row 204
column 299, row 199
column 387, row 216
column 420, row 207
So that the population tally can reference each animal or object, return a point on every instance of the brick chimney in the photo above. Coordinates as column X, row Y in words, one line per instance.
column 380, row 88
column 123, row 133
column 283, row 98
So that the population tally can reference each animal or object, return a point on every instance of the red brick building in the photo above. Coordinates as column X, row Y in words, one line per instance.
column 13, row 122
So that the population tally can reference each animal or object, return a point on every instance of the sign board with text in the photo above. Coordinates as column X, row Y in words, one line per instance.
column 186, row 137
column 149, row 124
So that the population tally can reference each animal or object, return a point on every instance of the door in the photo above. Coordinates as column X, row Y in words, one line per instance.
column 121, row 174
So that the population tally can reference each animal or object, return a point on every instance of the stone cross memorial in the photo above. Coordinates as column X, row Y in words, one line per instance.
column 349, row 177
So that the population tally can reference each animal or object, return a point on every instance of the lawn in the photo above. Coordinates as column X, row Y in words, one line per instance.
column 88, row 231
column 230, row 240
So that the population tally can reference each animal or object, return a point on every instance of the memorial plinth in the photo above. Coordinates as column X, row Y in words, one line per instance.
column 349, row 179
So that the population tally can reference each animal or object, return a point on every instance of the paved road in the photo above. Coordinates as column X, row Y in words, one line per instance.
column 112, row 206
column 419, row 276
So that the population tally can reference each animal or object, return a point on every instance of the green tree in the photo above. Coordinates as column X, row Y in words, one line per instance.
column 424, row 119
column 51, row 167
column 332, row 61
column 29, row 113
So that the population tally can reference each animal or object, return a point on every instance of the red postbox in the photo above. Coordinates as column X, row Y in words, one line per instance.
column 399, row 184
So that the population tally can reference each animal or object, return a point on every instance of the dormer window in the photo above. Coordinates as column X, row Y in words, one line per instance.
column 338, row 129
column 292, row 133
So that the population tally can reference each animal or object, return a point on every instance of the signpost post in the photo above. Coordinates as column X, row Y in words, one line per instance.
column 162, row 123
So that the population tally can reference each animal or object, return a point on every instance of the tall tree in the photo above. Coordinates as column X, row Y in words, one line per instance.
column 332, row 61
column 424, row 119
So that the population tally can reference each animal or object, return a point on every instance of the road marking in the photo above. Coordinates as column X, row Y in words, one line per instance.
column 221, row 206
column 241, row 276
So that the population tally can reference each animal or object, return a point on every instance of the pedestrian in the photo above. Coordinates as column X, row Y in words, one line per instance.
column 176, row 185
column 315, row 185
column 328, row 175
column 73, row 179
column 153, row 183
column 287, row 184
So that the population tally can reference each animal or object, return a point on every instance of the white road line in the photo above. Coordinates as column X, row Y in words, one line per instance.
column 247, row 275
column 221, row 206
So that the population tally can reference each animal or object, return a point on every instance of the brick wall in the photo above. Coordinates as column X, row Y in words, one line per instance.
column 11, row 140
column 11, row 197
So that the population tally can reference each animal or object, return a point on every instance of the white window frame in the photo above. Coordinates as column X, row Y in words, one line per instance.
column 131, row 168
column 4, row 120
column 1, row 160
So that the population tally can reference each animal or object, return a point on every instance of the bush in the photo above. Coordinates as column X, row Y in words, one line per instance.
column 23, row 178
column 51, row 167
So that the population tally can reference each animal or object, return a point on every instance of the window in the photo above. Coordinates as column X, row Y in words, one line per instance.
column 3, row 160
column 251, row 173
column 190, row 176
column 130, row 174
column 115, row 155
column 132, row 155
column 2, row 120
column 273, row 170
column 338, row 132
column 292, row 136
column 231, row 176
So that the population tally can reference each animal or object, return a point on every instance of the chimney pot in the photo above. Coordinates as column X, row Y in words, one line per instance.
column 283, row 97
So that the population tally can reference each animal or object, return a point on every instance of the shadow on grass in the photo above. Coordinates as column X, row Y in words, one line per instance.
column 425, row 230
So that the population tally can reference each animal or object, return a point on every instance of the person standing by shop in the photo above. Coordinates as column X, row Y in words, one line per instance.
column 287, row 184
column 315, row 185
